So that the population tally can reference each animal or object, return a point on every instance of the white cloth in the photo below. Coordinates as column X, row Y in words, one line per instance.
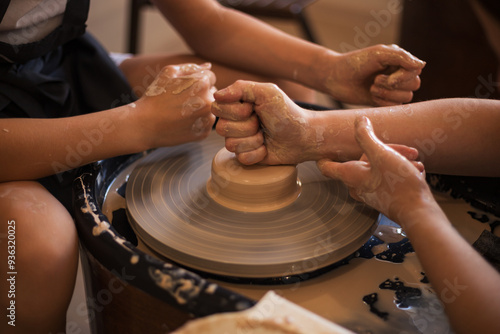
column 29, row 21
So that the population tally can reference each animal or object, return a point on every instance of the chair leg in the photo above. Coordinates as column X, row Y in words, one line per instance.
column 134, row 18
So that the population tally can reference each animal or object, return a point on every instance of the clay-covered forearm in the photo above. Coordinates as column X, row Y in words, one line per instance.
column 238, row 40
column 453, row 136
column 34, row 148
column 466, row 284
column 175, row 109
column 451, row 264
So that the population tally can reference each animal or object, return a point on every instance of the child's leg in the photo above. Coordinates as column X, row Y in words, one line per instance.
column 38, row 234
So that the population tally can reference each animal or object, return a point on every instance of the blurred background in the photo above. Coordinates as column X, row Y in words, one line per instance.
column 333, row 21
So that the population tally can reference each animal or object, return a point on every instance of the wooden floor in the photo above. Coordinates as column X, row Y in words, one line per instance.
column 338, row 24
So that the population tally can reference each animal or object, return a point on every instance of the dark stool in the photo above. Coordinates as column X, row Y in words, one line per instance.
column 279, row 9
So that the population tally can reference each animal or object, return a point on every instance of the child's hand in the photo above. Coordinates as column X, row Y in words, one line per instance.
column 387, row 177
column 380, row 75
column 175, row 108
column 261, row 124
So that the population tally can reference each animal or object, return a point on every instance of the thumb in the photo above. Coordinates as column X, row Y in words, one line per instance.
column 398, row 56
column 366, row 138
column 240, row 91
column 329, row 168
column 351, row 173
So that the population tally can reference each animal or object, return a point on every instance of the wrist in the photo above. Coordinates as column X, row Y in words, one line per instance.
column 334, row 134
column 324, row 73
column 132, row 120
column 296, row 135
column 317, row 70
column 421, row 211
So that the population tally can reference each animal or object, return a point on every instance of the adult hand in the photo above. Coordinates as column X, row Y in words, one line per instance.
column 387, row 177
column 175, row 108
column 380, row 75
column 262, row 125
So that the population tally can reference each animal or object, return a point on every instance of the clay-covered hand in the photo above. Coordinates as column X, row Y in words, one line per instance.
column 380, row 75
column 387, row 177
column 261, row 124
column 176, row 107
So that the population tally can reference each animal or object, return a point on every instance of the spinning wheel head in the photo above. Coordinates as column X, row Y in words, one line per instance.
column 178, row 205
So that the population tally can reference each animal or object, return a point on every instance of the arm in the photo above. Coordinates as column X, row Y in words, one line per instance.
column 466, row 284
column 453, row 136
column 377, row 75
column 175, row 109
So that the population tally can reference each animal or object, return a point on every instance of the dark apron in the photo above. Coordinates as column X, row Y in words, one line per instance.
column 67, row 73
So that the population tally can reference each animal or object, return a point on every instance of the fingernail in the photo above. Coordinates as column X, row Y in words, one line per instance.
column 419, row 62
column 360, row 121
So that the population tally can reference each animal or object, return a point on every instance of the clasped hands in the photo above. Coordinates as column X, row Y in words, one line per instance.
column 176, row 107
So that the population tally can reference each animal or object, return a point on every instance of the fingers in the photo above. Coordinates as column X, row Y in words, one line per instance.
column 348, row 173
column 395, row 88
column 408, row 152
column 202, row 127
column 403, row 79
column 190, row 70
column 393, row 55
column 366, row 138
column 247, row 144
column 330, row 169
column 238, row 92
column 233, row 111
column 237, row 108
column 247, row 91
column 400, row 79
column 176, row 79
column 352, row 173
column 419, row 166
column 193, row 71
column 384, row 97
column 252, row 157
column 245, row 128
column 376, row 151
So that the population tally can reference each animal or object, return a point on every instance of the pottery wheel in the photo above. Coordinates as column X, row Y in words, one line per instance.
column 172, row 212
